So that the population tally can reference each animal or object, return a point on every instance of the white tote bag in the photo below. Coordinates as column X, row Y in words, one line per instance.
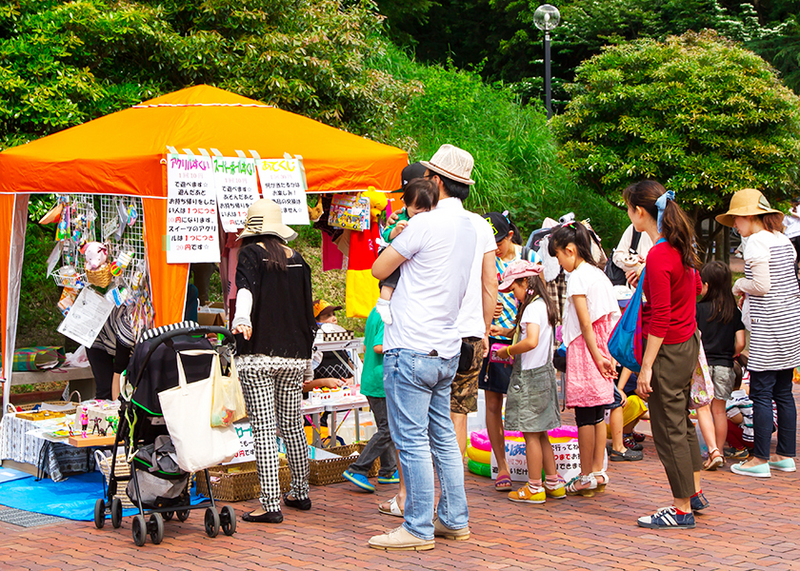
column 187, row 412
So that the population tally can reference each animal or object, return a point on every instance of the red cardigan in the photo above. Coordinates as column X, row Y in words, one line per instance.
column 671, row 290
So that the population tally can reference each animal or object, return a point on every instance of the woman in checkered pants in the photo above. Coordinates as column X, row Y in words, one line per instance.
column 275, row 318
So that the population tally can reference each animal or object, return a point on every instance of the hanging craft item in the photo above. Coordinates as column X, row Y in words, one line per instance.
column 96, row 266
column 350, row 212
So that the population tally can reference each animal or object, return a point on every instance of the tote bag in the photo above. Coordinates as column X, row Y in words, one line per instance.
column 187, row 413
column 623, row 344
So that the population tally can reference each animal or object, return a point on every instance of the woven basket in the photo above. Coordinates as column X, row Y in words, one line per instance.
column 238, row 482
column 121, row 468
column 324, row 472
column 32, row 405
column 100, row 277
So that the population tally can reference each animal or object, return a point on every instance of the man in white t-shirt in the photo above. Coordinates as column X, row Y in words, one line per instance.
column 421, row 353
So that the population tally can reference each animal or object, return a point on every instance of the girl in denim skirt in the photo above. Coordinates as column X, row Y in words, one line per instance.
column 532, row 403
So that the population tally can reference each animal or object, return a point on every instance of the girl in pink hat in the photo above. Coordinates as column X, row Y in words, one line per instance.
column 532, row 403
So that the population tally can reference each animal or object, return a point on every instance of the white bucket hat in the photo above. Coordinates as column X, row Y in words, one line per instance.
column 264, row 218
column 452, row 162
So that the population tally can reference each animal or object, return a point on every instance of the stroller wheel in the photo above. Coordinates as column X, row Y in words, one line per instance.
column 168, row 515
column 116, row 513
column 99, row 514
column 156, row 528
column 212, row 522
column 139, row 530
column 183, row 515
column 228, row 520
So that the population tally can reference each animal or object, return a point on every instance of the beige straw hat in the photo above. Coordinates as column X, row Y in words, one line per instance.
column 264, row 218
column 452, row 162
column 746, row 202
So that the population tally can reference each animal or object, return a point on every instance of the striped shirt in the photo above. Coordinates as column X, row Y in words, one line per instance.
column 506, row 300
column 775, row 316
column 741, row 403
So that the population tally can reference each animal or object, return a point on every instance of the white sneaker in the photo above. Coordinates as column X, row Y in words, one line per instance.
column 384, row 310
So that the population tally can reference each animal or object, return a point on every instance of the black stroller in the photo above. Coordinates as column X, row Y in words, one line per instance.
column 155, row 483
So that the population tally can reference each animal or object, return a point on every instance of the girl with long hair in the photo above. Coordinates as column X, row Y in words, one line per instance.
column 671, row 345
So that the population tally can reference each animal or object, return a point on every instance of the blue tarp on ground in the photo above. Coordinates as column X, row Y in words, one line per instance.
column 73, row 498
column 9, row 475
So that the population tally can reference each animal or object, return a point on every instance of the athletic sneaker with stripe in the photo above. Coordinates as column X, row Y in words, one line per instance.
column 667, row 518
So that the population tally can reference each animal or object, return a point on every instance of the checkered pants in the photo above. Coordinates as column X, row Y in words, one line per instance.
column 272, row 387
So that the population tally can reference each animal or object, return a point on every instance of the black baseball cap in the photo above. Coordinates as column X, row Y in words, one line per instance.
column 499, row 223
column 410, row 172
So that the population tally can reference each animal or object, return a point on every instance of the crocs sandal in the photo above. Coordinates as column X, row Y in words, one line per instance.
column 503, row 483
column 394, row 509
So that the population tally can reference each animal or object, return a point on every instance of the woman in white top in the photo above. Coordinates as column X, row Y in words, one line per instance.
column 771, row 310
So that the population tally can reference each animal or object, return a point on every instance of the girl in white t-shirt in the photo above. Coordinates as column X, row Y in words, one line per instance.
column 590, row 313
column 532, row 403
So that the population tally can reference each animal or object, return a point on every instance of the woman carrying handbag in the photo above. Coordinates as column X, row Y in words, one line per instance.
column 275, row 318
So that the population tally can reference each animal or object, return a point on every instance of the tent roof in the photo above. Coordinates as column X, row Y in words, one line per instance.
column 120, row 153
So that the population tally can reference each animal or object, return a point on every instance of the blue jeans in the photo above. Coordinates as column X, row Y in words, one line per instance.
column 766, row 386
column 418, row 397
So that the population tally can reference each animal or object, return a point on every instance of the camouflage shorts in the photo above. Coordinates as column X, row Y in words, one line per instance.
column 464, row 390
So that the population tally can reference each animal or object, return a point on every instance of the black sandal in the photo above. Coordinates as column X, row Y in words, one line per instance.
column 304, row 504
column 266, row 517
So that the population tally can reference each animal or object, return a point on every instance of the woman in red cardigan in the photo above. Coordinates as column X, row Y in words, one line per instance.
column 671, row 345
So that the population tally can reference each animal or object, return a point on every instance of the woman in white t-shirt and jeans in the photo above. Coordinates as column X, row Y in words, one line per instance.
column 771, row 310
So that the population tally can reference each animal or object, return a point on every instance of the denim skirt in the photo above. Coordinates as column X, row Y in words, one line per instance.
column 532, row 399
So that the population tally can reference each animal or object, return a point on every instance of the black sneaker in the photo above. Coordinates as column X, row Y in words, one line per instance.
column 667, row 518
column 630, row 442
column 699, row 502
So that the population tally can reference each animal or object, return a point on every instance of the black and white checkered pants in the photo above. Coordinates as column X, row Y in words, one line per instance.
column 273, row 387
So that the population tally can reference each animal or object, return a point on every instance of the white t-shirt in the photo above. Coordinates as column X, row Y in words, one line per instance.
column 439, row 247
column 536, row 313
column 470, row 319
column 590, row 281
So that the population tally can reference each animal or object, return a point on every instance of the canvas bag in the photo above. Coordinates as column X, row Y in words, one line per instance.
column 227, row 404
column 187, row 413
column 623, row 344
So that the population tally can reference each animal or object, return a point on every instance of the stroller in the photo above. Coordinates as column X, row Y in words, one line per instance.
column 155, row 483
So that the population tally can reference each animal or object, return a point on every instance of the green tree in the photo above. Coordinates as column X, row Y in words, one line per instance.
column 64, row 63
column 696, row 112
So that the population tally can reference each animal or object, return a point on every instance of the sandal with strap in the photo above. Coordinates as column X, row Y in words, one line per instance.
column 715, row 460
column 601, row 486
column 582, row 486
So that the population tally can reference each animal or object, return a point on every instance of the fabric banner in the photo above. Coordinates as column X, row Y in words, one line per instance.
column 362, row 288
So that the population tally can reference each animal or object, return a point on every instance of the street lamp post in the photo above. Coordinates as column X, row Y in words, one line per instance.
column 546, row 18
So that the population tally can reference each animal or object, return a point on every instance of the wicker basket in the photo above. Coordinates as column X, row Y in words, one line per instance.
column 238, row 482
column 32, row 405
column 324, row 472
column 121, row 468
column 100, row 277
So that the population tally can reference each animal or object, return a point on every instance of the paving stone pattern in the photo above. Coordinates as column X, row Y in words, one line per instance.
column 751, row 524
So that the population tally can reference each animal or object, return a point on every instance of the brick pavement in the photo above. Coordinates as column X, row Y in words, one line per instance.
column 751, row 524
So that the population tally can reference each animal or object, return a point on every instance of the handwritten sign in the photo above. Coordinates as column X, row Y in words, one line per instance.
column 565, row 450
column 191, row 210
column 236, row 186
column 247, row 451
column 283, row 182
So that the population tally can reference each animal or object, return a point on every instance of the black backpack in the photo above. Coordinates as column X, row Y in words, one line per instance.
column 613, row 271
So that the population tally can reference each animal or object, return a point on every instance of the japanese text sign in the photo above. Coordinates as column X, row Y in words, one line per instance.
column 282, row 181
column 236, row 186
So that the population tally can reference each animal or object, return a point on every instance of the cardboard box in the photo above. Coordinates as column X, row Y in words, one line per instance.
column 212, row 314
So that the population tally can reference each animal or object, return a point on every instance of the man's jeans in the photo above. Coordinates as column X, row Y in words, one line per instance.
column 418, row 398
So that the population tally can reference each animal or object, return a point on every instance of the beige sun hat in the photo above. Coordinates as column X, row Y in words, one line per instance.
column 264, row 218
column 452, row 162
column 746, row 202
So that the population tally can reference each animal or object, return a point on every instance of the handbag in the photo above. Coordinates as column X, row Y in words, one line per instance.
column 493, row 358
column 702, row 391
column 623, row 344
column 613, row 271
column 187, row 413
column 227, row 404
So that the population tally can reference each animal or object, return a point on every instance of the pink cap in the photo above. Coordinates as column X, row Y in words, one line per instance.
column 516, row 270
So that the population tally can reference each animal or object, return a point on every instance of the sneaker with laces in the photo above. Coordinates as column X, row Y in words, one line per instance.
column 699, row 502
column 630, row 442
column 737, row 453
column 667, row 518
column 441, row 530
column 556, row 491
column 638, row 436
column 526, row 495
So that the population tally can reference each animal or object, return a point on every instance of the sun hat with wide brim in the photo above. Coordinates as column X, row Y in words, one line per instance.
column 516, row 270
column 746, row 202
column 264, row 218
column 452, row 162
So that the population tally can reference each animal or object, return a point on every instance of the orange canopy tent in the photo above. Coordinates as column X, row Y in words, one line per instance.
column 122, row 154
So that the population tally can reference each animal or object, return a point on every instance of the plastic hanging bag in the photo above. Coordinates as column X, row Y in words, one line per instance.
column 702, row 392
column 227, row 405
